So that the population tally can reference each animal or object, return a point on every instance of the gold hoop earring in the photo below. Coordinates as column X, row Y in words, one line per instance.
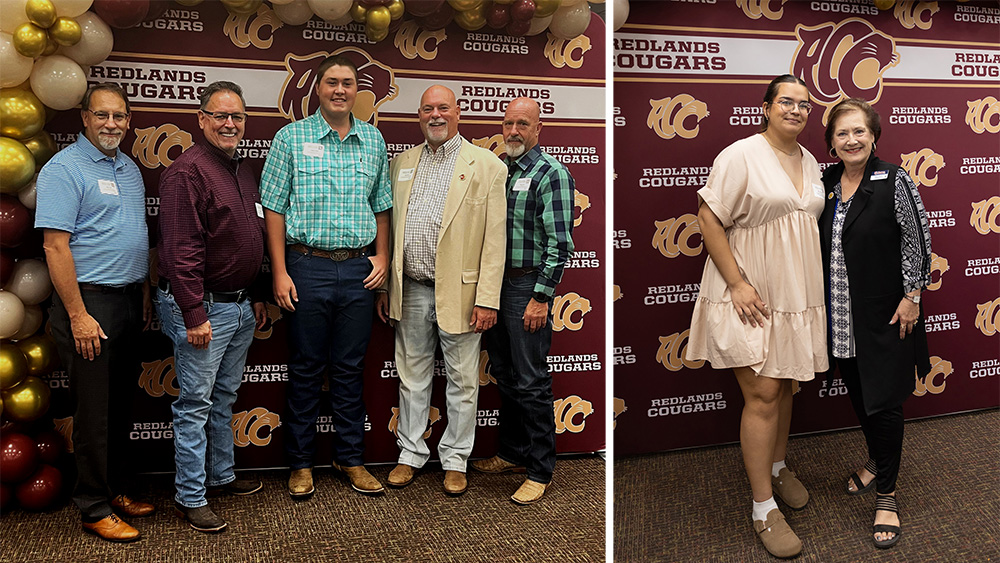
column 833, row 153
column 873, row 148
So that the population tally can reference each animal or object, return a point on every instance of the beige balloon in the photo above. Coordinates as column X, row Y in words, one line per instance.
column 28, row 196
column 70, row 8
column 15, row 68
column 330, row 10
column 12, row 15
column 570, row 21
column 30, row 281
column 11, row 314
column 619, row 12
column 31, row 323
column 58, row 81
column 539, row 25
column 296, row 12
column 96, row 41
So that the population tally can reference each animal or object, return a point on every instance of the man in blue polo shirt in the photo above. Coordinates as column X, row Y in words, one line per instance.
column 92, row 207
column 326, row 196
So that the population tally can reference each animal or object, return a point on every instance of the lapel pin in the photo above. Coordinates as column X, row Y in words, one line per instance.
column 461, row 176
column 829, row 195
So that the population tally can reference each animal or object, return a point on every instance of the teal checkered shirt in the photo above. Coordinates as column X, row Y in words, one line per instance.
column 328, row 189
column 539, row 218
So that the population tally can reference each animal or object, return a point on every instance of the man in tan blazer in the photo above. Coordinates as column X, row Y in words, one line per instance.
column 448, row 250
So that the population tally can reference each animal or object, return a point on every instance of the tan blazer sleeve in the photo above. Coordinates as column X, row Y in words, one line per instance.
column 494, row 255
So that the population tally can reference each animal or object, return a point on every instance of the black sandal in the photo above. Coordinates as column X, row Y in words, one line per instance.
column 859, row 487
column 888, row 504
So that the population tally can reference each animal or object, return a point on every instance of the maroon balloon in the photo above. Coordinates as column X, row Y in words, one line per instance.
column 421, row 8
column 41, row 490
column 522, row 10
column 6, row 267
column 15, row 221
column 50, row 445
column 32, row 245
column 122, row 14
column 156, row 9
column 6, row 495
column 438, row 20
column 518, row 28
column 497, row 16
column 18, row 457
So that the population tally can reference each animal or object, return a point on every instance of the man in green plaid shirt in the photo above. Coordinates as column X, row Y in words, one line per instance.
column 540, row 197
column 325, row 190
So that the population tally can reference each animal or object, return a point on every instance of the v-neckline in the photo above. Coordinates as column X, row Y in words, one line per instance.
column 770, row 149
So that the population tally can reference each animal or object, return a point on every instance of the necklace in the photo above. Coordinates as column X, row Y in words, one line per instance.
column 775, row 147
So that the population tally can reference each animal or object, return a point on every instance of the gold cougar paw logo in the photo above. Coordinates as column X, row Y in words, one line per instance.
column 754, row 9
column 938, row 367
column 563, row 309
column 244, row 31
column 986, row 316
column 918, row 165
column 412, row 41
column 247, row 426
column 910, row 14
column 672, row 351
column 159, row 378
column 559, row 52
column 984, row 215
column 667, row 116
column 566, row 411
column 980, row 115
column 673, row 236
column 152, row 145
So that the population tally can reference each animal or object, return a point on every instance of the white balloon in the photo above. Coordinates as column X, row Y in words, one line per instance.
column 330, row 10
column 58, row 82
column 95, row 44
column 26, row 195
column 15, row 68
column 30, row 281
column 539, row 25
column 570, row 21
column 297, row 12
column 70, row 8
column 12, row 14
column 619, row 12
column 31, row 323
column 11, row 314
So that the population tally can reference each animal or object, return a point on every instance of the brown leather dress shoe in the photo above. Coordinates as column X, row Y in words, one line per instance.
column 402, row 475
column 361, row 480
column 300, row 483
column 455, row 483
column 529, row 492
column 496, row 464
column 113, row 529
column 129, row 507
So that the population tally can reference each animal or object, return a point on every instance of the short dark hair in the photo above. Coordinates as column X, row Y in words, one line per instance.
column 335, row 60
column 772, row 91
column 107, row 87
column 872, row 119
column 220, row 86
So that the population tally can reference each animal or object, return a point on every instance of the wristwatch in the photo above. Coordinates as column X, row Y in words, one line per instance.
column 914, row 298
column 541, row 297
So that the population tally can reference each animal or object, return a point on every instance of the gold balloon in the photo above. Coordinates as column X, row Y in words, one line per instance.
column 13, row 365
column 22, row 114
column 189, row 3
column 464, row 5
column 378, row 19
column 66, row 32
column 242, row 7
column 41, row 354
column 376, row 34
column 43, row 147
column 50, row 47
column 17, row 166
column 358, row 12
column 545, row 8
column 41, row 12
column 471, row 20
column 396, row 9
column 26, row 401
column 884, row 4
column 30, row 40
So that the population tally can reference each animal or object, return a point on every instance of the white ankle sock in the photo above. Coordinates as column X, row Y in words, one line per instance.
column 776, row 467
column 760, row 509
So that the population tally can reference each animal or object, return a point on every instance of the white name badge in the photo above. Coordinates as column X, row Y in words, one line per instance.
column 880, row 175
column 405, row 174
column 107, row 187
column 312, row 149
column 260, row 209
column 522, row 184
column 818, row 190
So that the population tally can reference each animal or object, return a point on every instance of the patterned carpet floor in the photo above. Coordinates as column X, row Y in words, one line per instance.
column 419, row 523
column 694, row 505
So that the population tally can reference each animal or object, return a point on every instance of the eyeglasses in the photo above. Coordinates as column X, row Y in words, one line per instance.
column 221, row 116
column 103, row 116
column 787, row 105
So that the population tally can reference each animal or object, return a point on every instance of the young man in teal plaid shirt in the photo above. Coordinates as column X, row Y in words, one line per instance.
column 540, row 195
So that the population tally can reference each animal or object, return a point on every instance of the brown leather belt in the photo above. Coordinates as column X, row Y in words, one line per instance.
column 510, row 273
column 123, row 289
column 215, row 296
column 337, row 254
column 427, row 283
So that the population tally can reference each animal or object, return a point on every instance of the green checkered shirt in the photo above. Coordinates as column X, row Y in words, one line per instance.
column 328, row 189
column 540, row 218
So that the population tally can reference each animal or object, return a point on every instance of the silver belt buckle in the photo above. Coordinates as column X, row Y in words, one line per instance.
column 340, row 255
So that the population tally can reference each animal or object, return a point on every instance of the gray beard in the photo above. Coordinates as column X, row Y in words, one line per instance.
column 515, row 152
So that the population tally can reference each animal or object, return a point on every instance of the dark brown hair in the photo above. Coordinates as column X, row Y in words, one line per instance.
column 335, row 60
column 220, row 86
column 107, row 87
column 872, row 119
column 772, row 91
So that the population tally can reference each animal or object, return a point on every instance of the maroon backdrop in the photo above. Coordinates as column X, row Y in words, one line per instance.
column 689, row 79
column 163, row 65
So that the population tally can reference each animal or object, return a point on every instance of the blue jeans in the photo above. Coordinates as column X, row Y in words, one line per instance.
column 518, row 358
column 208, row 380
column 327, row 333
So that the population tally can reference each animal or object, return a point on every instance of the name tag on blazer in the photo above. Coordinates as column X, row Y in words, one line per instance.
column 879, row 175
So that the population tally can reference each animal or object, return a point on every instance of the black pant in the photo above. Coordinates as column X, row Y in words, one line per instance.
column 883, row 429
column 102, row 394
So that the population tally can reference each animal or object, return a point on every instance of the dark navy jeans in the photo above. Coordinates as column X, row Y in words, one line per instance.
column 327, row 333
column 518, row 357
